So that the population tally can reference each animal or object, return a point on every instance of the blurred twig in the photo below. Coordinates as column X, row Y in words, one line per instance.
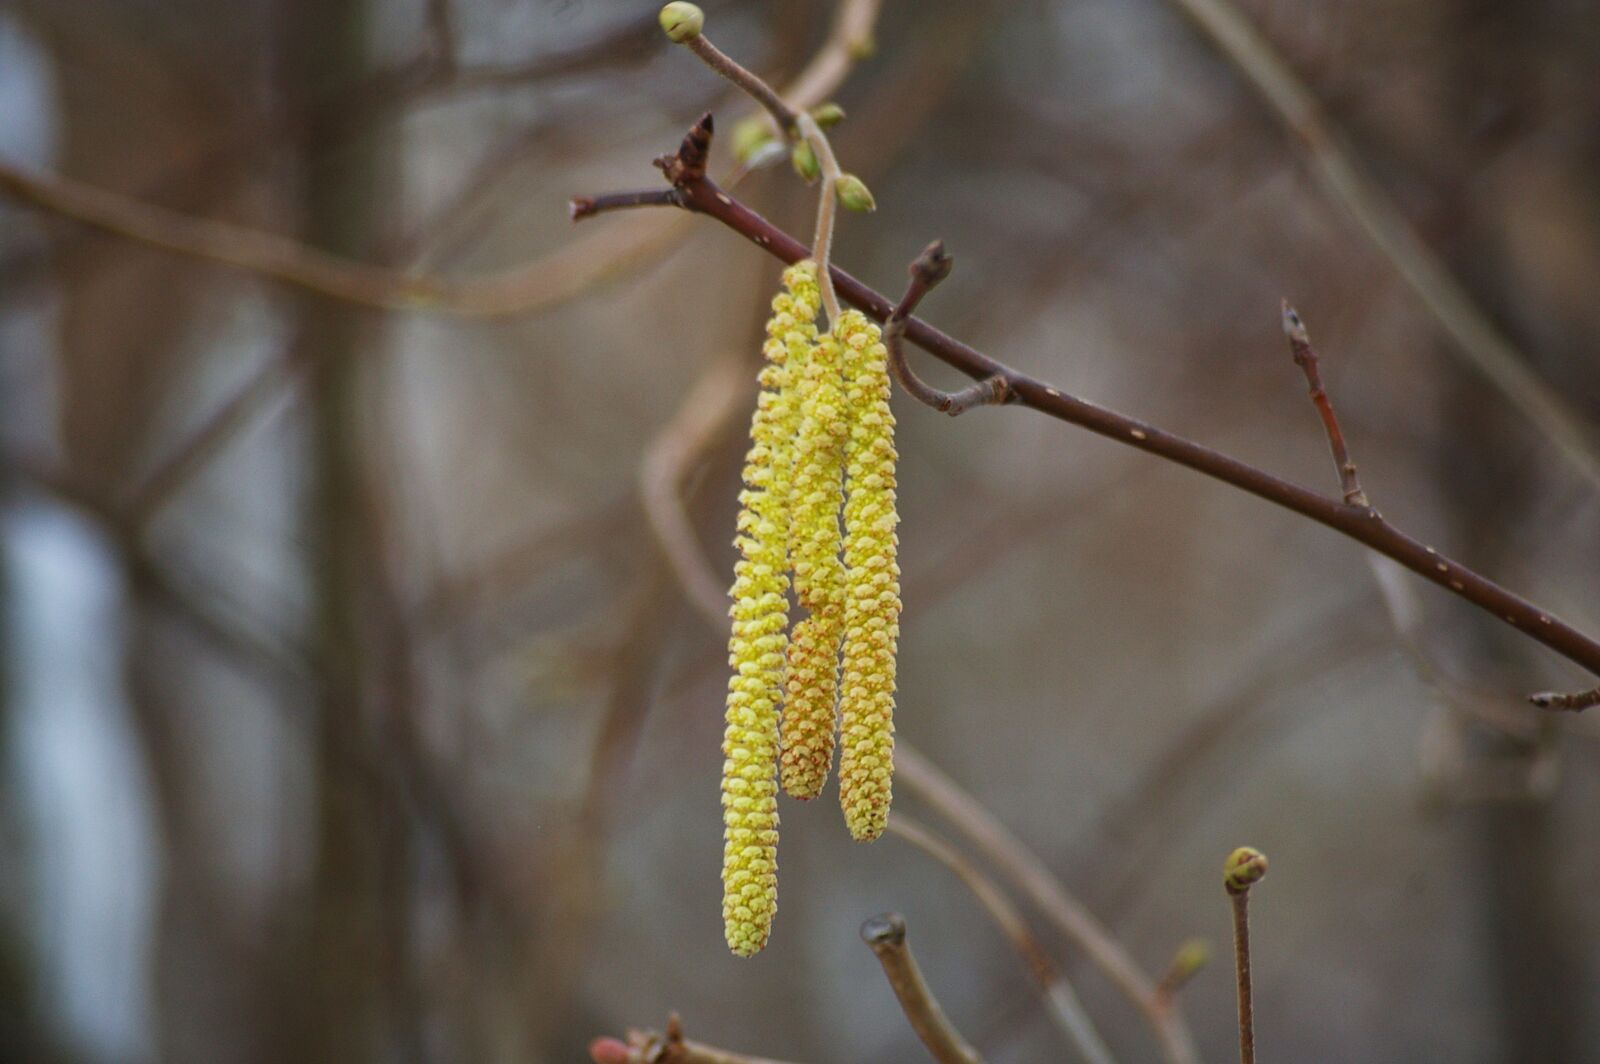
column 886, row 935
column 1033, row 879
column 1061, row 1001
column 668, row 1047
column 1475, row 335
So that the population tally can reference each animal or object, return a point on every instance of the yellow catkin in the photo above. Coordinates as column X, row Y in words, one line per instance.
column 872, row 584
column 760, row 618
column 811, row 682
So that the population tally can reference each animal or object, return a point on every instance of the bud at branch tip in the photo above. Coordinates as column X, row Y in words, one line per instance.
column 682, row 22
column 1243, row 868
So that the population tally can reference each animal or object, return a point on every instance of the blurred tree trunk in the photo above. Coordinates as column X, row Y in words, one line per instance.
column 1491, row 479
column 357, row 948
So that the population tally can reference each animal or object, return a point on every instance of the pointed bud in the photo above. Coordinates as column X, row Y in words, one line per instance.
column 827, row 115
column 749, row 137
column 854, row 195
column 1243, row 868
column 682, row 22
column 805, row 162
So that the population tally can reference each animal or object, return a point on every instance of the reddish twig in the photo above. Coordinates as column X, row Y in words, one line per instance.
column 931, row 267
column 1305, row 356
column 1364, row 524
column 665, row 1047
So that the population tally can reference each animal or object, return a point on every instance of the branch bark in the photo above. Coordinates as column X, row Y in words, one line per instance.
column 1364, row 524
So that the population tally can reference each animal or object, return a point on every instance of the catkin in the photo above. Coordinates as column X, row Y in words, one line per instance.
column 872, row 584
column 811, row 681
column 760, row 613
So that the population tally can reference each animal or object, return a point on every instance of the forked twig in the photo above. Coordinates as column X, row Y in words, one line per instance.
column 926, row 271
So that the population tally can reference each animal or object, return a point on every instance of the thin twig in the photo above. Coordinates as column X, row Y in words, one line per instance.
column 886, row 935
column 827, row 209
column 1030, row 876
column 1305, row 356
column 709, row 408
column 1363, row 524
column 582, row 206
column 746, row 80
column 1241, row 960
column 794, row 123
column 926, row 271
column 665, row 1047
column 1242, row 870
column 1062, row 1005
column 1484, row 346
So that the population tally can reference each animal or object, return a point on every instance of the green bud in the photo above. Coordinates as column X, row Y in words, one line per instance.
column 682, row 22
column 853, row 193
column 1190, row 958
column 750, row 136
column 1243, row 867
column 827, row 115
column 805, row 162
column 863, row 47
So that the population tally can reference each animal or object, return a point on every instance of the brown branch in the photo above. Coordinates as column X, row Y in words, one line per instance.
column 668, row 1047
column 1029, row 875
column 1244, row 868
column 1305, row 356
column 1061, row 1001
column 1476, row 337
column 1364, row 524
column 929, row 268
column 885, row 934
column 582, row 207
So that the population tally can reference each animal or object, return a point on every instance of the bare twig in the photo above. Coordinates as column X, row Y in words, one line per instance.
column 1475, row 335
column 1557, row 700
column 1363, row 524
column 1305, row 356
column 928, row 269
column 886, row 935
column 666, row 1047
column 1062, row 1005
column 709, row 408
column 827, row 210
column 747, row 81
column 794, row 123
column 1243, row 869
column 1029, row 875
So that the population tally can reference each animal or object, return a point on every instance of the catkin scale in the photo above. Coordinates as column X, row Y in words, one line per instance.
column 872, row 584
column 757, row 643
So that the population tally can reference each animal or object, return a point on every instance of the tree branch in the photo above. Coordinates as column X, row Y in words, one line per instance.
column 1364, row 524
column 1476, row 337
column 886, row 936
column 1062, row 1005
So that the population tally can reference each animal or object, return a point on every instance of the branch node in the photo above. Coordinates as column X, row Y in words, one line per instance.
column 926, row 271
